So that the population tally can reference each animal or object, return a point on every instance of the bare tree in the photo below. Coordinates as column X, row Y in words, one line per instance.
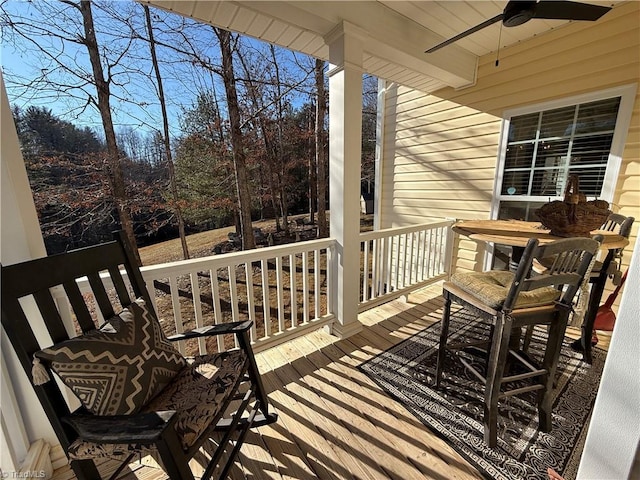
column 116, row 175
column 260, row 116
column 80, row 82
column 237, row 140
column 167, row 145
column 280, row 142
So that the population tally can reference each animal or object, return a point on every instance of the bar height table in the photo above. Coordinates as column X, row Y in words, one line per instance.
column 516, row 234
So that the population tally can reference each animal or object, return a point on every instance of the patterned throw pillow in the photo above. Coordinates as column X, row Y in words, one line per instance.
column 118, row 369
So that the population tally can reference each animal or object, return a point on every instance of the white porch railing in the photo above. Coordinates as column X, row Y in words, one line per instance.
column 398, row 260
column 286, row 290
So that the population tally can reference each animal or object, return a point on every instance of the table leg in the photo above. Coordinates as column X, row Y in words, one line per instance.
column 584, row 343
column 516, row 256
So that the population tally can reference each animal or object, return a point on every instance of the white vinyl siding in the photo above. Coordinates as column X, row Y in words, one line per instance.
column 440, row 155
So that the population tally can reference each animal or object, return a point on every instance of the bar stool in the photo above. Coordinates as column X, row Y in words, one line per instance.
column 513, row 301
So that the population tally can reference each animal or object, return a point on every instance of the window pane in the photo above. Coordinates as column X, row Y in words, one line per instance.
column 516, row 183
column 591, row 180
column 597, row 116
column 549, row 182
column 591, row 150
column 558, row 122
column 523, row 127
column 552, row 153
column 519, row 156
column 519, row 211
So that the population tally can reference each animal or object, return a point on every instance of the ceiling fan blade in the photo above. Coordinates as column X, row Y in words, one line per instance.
column 564, row 10
column 484, row 24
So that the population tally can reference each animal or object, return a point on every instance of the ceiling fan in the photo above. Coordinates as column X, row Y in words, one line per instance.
column 519, row 12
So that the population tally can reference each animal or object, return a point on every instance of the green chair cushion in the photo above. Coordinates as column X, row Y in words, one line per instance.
column 491, row 288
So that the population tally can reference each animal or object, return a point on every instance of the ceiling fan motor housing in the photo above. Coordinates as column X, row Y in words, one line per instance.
column 516, row 13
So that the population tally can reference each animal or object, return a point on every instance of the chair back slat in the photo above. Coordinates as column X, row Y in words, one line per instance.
column 79, row 306
column 571, row 260
column 121, row 289
column 49, row 310
column 100, row 295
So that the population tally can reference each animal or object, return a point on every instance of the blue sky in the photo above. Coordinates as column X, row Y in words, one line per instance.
column 134, row 101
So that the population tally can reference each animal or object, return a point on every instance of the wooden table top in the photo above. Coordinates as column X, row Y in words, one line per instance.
column 516, row 233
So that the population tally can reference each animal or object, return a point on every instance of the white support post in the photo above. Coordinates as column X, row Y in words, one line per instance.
column 345, row 133
column 23, row 420
column 379, row 158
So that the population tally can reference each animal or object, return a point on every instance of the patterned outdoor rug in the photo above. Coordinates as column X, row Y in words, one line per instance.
column 454, row 412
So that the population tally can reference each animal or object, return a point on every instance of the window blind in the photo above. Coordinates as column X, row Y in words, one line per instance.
column 545, row 148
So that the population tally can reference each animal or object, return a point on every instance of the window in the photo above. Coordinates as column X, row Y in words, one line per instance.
column 543, row 145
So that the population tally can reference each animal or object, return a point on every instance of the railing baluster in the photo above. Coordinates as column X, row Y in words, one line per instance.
column 388, row 263
column 293, row 262
column 280, row 294
column 317, row 297
column 305, row 287
column 197, row 309
column 431, row 254
column 177, row 311
column 420, row 259
column 217, row 311
column 251, row 302
column 233, row 293
column 365, row 272
column 266, row 305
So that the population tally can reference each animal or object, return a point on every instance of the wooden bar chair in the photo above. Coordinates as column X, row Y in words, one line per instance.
column 608, row 267
column 137, row 394
column 512, row 302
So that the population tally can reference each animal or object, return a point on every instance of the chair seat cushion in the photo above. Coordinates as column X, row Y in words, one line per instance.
column 119, row 368
column 492, row 287
column 198, row 394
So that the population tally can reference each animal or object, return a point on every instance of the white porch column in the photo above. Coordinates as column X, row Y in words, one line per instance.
column 345, row 132
column 23, row 420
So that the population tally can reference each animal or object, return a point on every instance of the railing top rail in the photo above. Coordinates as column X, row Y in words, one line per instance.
column 236, row 258
column 401, row 230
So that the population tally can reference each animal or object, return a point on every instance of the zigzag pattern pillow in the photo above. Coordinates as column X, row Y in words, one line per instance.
column 118, row 369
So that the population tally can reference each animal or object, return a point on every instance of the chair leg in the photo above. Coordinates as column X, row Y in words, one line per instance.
column 444, row 333
column 256, row 380
column 550, row 364
column 497, row 360
column 174, row 462
column 85, row 470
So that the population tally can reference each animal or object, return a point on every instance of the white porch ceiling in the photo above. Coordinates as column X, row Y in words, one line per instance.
column 395, row 33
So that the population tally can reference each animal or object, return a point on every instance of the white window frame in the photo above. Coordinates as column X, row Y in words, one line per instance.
column 627, row 94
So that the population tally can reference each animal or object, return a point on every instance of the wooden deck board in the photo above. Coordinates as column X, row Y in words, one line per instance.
column 334, row 422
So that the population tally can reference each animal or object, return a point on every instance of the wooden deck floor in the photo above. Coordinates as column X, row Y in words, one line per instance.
column 335, row 423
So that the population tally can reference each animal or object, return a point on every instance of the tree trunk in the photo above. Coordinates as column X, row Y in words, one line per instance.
column 313, row 182
column 167, row 145
column 116, row 176
column 280, row 144
column 237, row 142
column 321, row 160
column 268, row 147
